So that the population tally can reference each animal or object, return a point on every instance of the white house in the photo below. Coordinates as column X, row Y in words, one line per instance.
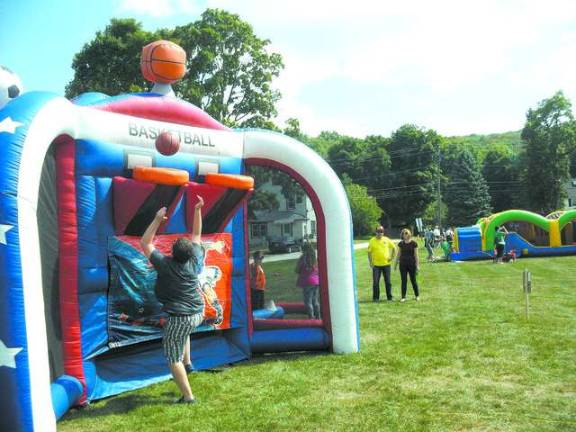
column 294, row 219
column 570, row 188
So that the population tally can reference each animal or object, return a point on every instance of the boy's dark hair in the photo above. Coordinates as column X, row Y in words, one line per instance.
column 182, row 250
column 258, row 256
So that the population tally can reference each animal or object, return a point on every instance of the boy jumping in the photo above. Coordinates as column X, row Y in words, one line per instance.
column 177, row 288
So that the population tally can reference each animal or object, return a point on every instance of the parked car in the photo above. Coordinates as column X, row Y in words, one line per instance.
column 283, row 244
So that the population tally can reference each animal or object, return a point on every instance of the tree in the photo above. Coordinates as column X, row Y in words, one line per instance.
column 323, row 142
column 501, row 173
column 110, row 63
column 230, row 69
column 430, row 216
column 466, row 193
column 410, row 187
column 366, row 213
column 292, row 129
column 550, row 136
column 262, row 200
column 289, row 187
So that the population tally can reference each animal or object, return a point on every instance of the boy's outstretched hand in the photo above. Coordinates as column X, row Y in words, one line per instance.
column 200, row 202
column 161, row 214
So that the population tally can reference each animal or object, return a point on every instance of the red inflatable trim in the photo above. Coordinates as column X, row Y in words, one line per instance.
column 165, row 109
column 275, row 323
column 68, row 244
column 293, row 307
column 128, row 195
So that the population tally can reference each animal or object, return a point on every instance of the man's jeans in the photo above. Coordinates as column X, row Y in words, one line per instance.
column 376, row 272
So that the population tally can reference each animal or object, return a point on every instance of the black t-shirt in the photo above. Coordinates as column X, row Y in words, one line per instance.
column 177, row 286
column 407, row 252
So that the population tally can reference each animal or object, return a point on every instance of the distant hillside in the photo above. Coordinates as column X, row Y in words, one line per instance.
column 509, row 139
column 478, row 144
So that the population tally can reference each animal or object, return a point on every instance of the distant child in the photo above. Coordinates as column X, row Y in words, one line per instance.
column 257, row 281
column 509, row 256
column 308, row 280
column 429, row 244
column 446, row 248
column 500, row 240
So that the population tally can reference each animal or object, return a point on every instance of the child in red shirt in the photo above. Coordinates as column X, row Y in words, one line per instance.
column 257, row 281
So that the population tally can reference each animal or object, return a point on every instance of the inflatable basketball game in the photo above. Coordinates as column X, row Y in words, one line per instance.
column 81, row 180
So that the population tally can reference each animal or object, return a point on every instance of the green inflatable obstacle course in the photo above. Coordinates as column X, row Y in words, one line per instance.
column 530, row 234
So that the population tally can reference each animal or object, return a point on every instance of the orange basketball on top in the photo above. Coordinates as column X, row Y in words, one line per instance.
column 163, row 62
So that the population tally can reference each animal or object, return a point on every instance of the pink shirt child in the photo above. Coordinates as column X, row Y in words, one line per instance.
column 307, row 277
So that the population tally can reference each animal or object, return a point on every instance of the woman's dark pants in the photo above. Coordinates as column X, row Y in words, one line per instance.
column 405, row 270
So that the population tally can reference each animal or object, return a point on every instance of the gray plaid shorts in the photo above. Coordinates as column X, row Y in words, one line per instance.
column 176, row 331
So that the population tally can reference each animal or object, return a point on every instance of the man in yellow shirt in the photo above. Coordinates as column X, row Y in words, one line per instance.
column 381, row 253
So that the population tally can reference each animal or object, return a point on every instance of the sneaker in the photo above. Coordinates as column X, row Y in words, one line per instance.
column 189, row 368
column 186, row 401
column 402, row 300
column 417, row 298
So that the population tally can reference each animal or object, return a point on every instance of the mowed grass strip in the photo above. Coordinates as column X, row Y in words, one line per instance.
column 464, row 358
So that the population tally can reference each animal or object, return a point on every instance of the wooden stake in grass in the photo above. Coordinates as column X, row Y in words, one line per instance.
column 527, row 285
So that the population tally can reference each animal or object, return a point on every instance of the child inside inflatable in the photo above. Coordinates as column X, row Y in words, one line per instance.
column 81, row 181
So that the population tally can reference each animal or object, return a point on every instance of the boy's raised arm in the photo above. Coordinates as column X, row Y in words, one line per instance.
column 197, row 224
column 147, row 239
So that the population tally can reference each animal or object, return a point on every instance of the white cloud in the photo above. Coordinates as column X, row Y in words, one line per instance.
column 154, row 8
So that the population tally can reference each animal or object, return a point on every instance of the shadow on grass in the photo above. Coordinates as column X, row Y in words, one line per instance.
column 288, row 356
column 119, row 405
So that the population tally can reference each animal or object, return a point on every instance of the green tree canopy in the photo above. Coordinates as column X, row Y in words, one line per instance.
column 366, row 213
column 262, row 175
column 500, row 170
column 466, row 192
column 347, row 157
column 230, row 69
column 410, row 187
column 110, row 63
column 550, row 136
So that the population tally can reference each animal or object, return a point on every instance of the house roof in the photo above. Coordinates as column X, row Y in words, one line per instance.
column 277, row 217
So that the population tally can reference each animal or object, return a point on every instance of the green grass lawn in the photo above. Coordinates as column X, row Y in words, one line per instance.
column 464, row 358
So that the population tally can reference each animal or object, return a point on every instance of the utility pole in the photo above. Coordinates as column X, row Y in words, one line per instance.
column 438, row 192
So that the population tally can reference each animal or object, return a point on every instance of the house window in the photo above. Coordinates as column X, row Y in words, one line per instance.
column 299, row 198
column 287, row 229
column 259, row 230
column 290, row 202
column 313, row 228
column 569, row 202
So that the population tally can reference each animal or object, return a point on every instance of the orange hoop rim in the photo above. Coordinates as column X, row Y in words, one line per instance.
column 234, row 181
column 163, row 176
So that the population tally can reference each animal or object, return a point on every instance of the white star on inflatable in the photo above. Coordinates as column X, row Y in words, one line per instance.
column 3, row 230
column 8, row 355
column 9, row 125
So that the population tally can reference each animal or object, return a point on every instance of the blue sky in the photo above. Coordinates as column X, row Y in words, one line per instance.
column 362, row 67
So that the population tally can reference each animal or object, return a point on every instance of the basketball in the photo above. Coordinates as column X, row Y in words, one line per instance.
column 168, row 143
column 163, row 62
